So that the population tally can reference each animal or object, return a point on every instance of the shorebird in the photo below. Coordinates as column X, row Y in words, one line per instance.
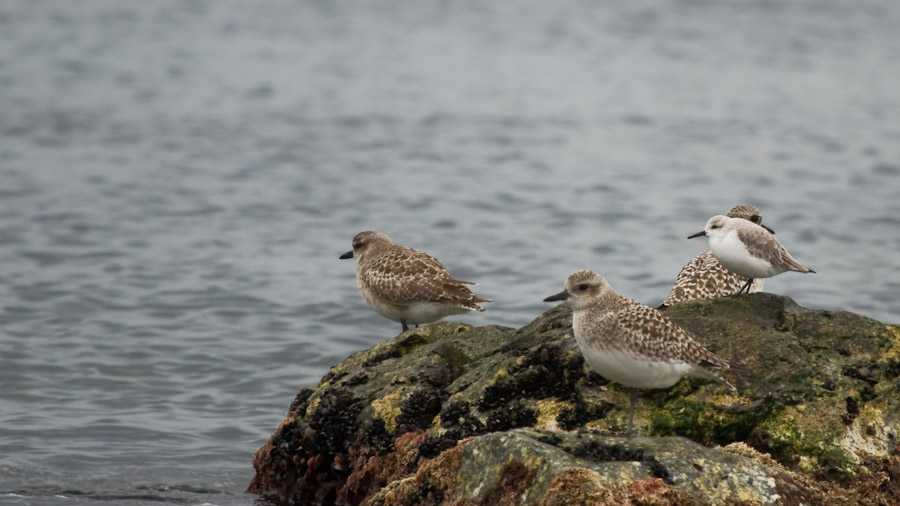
column 705, row 278
column 747, row 249
column 407, row 285
column 630, row 343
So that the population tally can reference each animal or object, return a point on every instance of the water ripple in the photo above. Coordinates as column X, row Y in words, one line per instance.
column 172, row 207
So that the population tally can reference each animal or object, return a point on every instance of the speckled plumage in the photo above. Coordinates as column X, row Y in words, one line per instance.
column 705, row 278
column 407, row 285
column 630, row 343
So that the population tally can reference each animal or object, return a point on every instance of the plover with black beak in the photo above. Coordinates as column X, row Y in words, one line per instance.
column 748, row 249
column 630, row 343
column 705, row 278
column 407, row 285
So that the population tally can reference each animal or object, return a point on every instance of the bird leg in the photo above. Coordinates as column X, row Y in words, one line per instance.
column 405, row 326
column 632, row 399
column 746, row 286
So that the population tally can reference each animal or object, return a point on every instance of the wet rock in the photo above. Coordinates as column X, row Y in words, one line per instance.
column 451, row 414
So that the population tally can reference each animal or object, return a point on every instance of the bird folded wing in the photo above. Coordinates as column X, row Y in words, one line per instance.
column 657, row 337
column 409, row 276
column 762, row 244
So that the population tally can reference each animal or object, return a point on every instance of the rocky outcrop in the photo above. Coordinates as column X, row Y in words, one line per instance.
column 451, row 414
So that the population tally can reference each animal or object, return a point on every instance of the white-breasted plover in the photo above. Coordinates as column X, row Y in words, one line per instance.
column 630, row 343
column 748, row 249
column 705, row 278
column 407, row 285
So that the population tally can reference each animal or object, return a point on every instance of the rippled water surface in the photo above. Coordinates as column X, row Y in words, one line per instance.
column 177, row 180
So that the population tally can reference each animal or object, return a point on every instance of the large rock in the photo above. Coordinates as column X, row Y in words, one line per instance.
column 451, row 414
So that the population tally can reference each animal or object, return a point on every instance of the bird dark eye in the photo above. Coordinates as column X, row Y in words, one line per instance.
column 755, row 218
column 583, row 287
column 714, row 227
column 357, row 245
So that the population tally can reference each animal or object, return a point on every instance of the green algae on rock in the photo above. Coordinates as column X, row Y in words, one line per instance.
column 417, row 418
column 817, row 387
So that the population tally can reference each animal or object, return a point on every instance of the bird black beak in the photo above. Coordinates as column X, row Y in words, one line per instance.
column 769, row 229
column 563, row 295
column 698, row 234
column 347, row 255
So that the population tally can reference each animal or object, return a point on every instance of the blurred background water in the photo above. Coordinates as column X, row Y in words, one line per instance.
column 178, row 178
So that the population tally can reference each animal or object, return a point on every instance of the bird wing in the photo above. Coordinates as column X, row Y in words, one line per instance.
column 657, row 337
column 761, row 244
column 404, row 276
column 704, row 277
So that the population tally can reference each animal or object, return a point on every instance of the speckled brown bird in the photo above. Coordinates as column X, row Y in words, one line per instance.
column 705, row 278
column 630, row 343
column 407, row 285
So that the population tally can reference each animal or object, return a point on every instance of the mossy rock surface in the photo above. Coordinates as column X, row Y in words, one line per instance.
column 417, row 418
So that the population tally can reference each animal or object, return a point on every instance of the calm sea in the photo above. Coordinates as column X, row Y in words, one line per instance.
column 178, row 178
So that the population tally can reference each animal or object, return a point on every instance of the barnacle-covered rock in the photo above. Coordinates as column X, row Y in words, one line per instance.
column 452, row 414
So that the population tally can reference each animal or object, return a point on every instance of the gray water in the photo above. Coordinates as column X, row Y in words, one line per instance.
column 178, row 178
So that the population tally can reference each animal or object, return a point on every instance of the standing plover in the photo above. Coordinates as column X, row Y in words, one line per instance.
column 747, row 249
column 705, row 278
column 630, row 343
column 407, row 285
